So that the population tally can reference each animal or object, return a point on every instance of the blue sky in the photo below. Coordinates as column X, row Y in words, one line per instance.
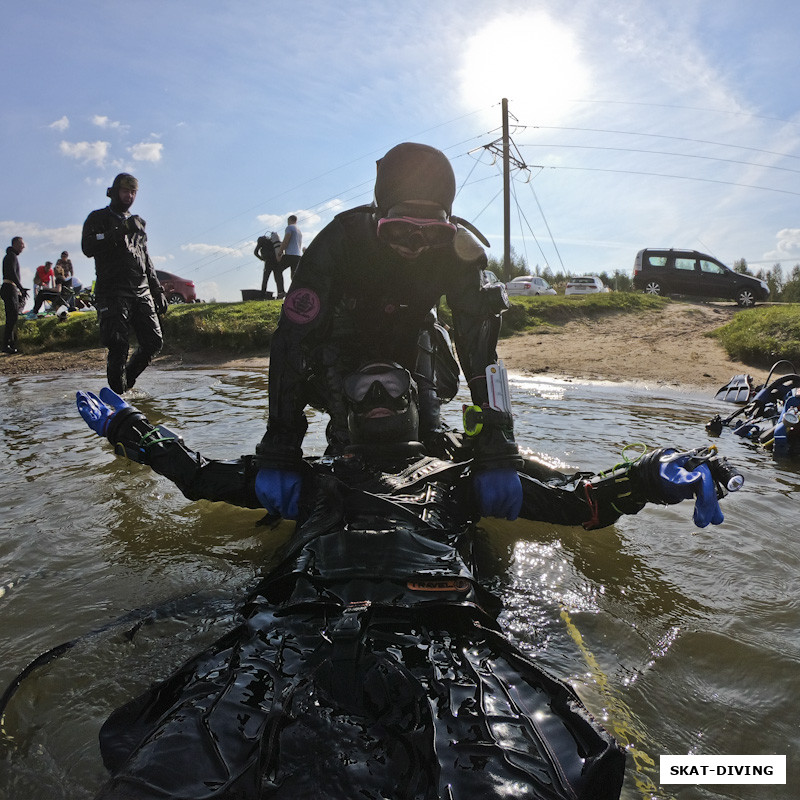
column 641, row 123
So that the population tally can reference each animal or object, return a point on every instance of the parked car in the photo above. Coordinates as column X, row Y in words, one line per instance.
column 529, row 285
column 586, row 284
column 670, row 271
column 177, row 289
column 488, row 278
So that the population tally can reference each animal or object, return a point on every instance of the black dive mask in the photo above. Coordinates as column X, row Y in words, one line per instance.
column 382, row 405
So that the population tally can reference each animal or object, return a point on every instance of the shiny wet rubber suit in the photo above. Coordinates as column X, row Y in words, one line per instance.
column 369, row 663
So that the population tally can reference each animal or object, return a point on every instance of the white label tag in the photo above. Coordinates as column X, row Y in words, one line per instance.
column 497, row 386
column 722, row 769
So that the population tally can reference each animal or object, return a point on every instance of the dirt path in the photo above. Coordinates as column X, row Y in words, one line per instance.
column 662, row 347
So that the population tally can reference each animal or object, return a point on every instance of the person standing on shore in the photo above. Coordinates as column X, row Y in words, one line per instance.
column 13, row 292
column 128, row 292
column 267, row 251
column 291, row 247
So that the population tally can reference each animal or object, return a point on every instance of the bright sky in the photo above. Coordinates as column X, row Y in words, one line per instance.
column 642, row 123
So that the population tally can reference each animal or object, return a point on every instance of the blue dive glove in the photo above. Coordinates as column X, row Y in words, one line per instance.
column 95, row 410
column 679, row 484
column 278, row 490
column 499, row 493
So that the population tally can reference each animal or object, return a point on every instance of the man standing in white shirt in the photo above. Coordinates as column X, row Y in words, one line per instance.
column 291, row 247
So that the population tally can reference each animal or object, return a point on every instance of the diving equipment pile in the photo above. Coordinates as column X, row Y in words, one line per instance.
column 770, row 416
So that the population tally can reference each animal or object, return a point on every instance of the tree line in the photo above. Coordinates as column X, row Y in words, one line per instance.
column 782, row 288
column 618, row 281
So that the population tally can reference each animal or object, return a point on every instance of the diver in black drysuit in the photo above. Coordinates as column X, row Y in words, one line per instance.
column 364, row 291
column 127, row 291
column 369, row 663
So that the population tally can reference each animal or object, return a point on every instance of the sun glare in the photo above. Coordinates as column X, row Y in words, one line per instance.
column 529, row 59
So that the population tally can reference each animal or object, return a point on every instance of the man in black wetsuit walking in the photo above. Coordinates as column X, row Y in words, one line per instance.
column 129, row 295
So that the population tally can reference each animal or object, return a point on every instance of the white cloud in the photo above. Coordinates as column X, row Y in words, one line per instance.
column 307, row 220
column 37, row 235
column 86, row 151
column 215, row 250
column 208, row 291
column 104, row 122
column 147, row 151
column 274, row 222
column 60, row 124
column 787, row 247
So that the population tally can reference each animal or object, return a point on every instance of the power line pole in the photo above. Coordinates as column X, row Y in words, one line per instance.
column 506, row 196
column 502, row 148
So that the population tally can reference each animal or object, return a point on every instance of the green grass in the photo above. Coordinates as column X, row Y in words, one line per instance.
column 77, row 332
column 228, row 327
column 527, row 313
column 233, row 327
column 758, row 336
column 762, row 336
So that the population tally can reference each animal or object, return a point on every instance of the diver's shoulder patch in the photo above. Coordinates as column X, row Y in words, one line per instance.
column 302, row 306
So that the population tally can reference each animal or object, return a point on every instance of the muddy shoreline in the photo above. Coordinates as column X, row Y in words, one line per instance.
column 666, row 348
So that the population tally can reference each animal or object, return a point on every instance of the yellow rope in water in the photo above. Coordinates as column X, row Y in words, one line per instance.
column 623, row 724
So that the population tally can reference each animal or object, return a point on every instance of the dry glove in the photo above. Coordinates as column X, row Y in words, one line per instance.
column 98, row 411
column 160, row 301
column 499, row 493
column 679, row 484
column 278, row 491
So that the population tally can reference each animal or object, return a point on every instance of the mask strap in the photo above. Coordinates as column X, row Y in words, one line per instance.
column 471, row 228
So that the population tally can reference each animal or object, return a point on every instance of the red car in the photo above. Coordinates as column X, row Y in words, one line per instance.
column 177, row 289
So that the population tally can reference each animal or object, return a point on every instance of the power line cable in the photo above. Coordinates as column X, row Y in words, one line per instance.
column 664, row 153
column 678, row 177
column 210, row 259
column 728, row 111
column 663, row 136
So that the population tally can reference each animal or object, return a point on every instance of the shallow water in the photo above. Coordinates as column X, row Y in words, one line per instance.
column 681, row 640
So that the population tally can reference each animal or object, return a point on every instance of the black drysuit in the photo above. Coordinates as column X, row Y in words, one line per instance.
column 369, row 663
column 354, row 300
column 13, row 293
column 127, row 292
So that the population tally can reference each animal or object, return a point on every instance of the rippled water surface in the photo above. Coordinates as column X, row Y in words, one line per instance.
column 681, row 640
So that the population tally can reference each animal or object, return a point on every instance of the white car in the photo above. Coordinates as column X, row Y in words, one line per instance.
column 586, row 284
column 530, row 285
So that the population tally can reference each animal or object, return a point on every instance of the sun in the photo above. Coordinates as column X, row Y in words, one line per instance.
column 530, row 59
